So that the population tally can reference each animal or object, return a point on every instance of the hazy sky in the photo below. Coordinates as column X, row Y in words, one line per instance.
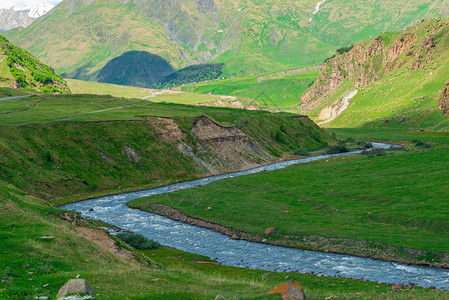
column 11, row 3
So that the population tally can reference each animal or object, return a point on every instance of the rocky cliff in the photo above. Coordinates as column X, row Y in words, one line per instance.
column 10, row 18
column 444, row 100
column 415, row 52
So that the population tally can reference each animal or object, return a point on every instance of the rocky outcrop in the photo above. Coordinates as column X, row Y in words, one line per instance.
column 371, row 60
column 290, row 290
column 76, row 286
column 222, row 147
column 444, row 100
column 10, row 19
column 166, row 129
column 103, row 240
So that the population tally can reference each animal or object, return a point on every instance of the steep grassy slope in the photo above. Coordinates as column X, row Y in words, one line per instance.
column 377, row 206
column 83, row 144
column 79, row 37
column 19, row 69
column 400, row 77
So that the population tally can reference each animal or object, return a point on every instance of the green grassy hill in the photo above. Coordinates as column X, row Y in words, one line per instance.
column 400, row 77
column 49, row 137
column 19, row 69
column 79, row 38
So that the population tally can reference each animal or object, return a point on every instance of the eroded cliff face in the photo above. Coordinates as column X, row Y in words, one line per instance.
column 227, row 147
column 370, row 60
column 212, row 147
column 444, row 100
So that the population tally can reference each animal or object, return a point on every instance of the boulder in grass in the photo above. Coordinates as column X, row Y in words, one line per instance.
column 270, row 230
column 290, row 290
column 398, row 286
column 76, row 286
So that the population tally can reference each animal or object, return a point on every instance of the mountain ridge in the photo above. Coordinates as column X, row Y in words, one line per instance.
column 249, row 37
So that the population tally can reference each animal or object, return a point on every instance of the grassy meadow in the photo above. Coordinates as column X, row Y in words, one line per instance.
column 280, row 94
column 388, row 199
column 28, row 262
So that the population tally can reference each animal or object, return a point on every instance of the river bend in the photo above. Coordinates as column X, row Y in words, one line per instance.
column 113, row 210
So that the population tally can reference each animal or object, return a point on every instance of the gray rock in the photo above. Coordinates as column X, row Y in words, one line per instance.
column 219, row 297
column 46, row 285
column 76, row 286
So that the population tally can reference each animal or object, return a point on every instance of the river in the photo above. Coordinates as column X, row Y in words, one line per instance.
column 113, row 210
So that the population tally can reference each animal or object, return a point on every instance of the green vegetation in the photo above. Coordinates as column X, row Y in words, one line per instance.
column 28, row 262
column 138, row 241
column 393, row 93
column 99, row 88
column 27, row 72
column 274, row 94
column 136, row 68
column 116, row 141
column 344, row 50
column 191, row 74
column 391, row 201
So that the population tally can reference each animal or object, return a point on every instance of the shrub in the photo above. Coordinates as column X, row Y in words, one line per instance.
column 138, row 241
column 337, row 149
column 365, row 145
column 375, row 152
column 344, row 49
column 302, row 152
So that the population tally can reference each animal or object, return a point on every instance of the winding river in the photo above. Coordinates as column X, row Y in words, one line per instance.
column 113, row 210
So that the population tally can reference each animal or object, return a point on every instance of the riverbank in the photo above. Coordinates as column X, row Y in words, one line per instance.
column 359, row 248
column 368, row 206
column 285, row 158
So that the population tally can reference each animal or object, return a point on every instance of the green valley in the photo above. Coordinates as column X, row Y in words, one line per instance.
column 176, row 121
column 29, row 262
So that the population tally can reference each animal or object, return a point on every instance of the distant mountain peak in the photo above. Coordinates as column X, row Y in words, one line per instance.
column 35, row 11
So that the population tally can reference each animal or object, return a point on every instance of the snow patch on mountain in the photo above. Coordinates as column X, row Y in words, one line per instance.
column 35, row 11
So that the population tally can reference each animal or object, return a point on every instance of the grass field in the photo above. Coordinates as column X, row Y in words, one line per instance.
column 99, row 88
column 7, row 92
column 275, row 94
column 393, row 199
column 28, row 262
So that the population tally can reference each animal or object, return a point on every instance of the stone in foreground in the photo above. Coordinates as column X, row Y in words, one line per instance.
column 290, row 290
column 76, row 286
column 270, row 230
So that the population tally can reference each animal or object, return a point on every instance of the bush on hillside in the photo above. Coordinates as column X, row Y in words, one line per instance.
column 190, row 74
column 374, row 152
column 19, row 59
column 337, row 149
column 138, row 241
column 344, row 49
column 302, row 152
